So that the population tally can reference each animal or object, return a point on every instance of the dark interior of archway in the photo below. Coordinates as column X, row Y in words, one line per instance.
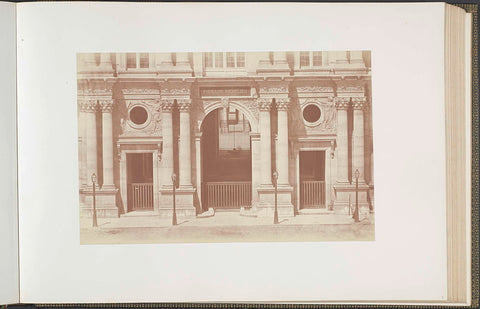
column 226, row 145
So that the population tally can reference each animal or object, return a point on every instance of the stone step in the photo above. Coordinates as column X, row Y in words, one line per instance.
column 315, row 211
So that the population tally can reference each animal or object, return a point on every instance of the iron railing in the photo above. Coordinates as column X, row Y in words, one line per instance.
column 228, row 194
column 312, row 194
column 141, row 196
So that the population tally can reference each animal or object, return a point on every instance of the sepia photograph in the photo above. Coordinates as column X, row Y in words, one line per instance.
column 209, row 147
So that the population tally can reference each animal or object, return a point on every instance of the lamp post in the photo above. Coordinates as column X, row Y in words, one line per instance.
column 275, row 214
column 355, row 214
column 94, row 180
column 174, row 217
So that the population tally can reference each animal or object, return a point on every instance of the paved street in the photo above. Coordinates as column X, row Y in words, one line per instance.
column 225, row 227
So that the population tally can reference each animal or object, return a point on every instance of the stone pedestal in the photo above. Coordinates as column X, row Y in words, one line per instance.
column 184, row 203
column 105, row 200
column 345, row 198
column 266, row 203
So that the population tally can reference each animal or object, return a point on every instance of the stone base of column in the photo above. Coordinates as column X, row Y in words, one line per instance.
column 266, row 201
column 345, row 199
column 105, row 203
column 183, row 202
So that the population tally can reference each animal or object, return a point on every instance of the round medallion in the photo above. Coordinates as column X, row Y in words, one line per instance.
column 311, row 114
column 138, row 115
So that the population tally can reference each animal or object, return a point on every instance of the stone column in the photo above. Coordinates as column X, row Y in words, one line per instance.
column 342, row 104
column 90, row 107
column 167, row 155
column 358, row 138
column 256, row 166
column 223, row 119
column 82, row 139
column 107, row 143
column 282, row 148
column 265, row 142
column 184, row 161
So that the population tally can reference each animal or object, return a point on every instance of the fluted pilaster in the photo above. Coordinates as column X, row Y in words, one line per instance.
column 342, row 104
column 185, row 163
column 282, row 155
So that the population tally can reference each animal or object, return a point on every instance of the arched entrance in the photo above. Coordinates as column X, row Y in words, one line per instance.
column 226, row 159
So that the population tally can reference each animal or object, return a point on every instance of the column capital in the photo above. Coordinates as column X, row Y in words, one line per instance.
column 359, row 103
column 264, row 104
column 282, row 103
column 342, row 102
column 106, row 106
column 167, row 105
column 184, row 104
column 88, row 105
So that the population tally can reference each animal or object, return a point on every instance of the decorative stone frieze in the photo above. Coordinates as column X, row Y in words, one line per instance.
column 314, row 89
column 140, row 91
column 167, row 91
column 275, row 89
column 350, row 89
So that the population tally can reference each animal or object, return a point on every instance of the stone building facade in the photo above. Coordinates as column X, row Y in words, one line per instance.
column 142, row 119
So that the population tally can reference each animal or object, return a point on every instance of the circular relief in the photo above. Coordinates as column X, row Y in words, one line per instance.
column 138, row 115
column 312, row 113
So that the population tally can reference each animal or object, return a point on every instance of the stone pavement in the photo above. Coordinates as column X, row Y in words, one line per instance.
column 146, row 227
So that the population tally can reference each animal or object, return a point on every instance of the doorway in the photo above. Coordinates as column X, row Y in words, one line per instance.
column 226, row 160
column 140, row 181
column 312, row 179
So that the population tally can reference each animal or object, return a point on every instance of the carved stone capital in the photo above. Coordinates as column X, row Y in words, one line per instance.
column 264, row 104
column 88, row 106
column 282, row 103
column 167, row 105
column 359, row 103
column 106, row 106
column 342, row 102
column 184, row 105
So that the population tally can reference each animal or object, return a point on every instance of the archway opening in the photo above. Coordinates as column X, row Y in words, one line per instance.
column 226, row 160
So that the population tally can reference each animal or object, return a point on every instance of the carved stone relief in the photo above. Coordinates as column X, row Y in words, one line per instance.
column 152, row 126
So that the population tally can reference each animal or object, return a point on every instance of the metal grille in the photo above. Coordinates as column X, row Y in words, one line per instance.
column 228, row 194
column 141, row 196
column 312, row 194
